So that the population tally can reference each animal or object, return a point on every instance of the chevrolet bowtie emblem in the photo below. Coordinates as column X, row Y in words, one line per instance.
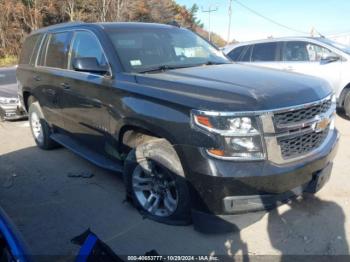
column 321, row 124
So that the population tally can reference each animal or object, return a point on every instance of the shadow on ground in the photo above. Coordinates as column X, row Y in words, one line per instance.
column 50, row 208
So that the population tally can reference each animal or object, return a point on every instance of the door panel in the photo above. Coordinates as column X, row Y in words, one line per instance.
column 84, row 109
column 85, row 95
column 52, row 63
column 49, row 95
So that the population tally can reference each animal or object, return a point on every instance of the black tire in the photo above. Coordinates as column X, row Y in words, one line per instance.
column 44, row 142
column 347, row 104
column 161, row 153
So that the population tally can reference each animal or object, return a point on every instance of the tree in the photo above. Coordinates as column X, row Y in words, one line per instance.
column 195, row 21
column 20, row 17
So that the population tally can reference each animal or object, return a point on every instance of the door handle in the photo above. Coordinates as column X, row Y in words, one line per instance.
column 37, row 78
column 289, row 68
column 65, row 86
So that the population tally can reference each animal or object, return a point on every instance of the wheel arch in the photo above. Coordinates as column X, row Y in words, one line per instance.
column 26, row 96
column 134, row 132
column 343, row 93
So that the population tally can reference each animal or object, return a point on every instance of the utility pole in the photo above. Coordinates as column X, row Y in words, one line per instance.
column 209, row 11
column 229, row 20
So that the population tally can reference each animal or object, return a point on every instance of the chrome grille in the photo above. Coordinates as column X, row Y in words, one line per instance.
column 301, row 144
column 300, row 115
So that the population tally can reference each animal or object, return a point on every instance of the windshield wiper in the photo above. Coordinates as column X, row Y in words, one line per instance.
column 162, row 68
column 215, row 63
column 171, row 67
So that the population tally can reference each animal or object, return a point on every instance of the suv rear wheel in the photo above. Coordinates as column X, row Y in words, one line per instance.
column 39, row 127
column 156, row 184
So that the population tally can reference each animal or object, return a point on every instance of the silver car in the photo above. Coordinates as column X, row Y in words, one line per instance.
column 317, row 56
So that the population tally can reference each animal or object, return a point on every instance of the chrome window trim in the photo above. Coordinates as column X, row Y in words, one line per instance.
column 47, row 34
column 40, row 49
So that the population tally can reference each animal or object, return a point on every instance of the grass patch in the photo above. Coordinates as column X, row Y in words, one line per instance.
column 8, row 61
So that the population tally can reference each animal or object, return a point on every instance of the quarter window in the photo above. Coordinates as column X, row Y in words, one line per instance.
column 85, row 44
column 57, row 50
column 236, row 53
column 28, row 49
column 247, row 53
column 264, row 52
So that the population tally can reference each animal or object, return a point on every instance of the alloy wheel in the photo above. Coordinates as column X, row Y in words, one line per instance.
column 36, row 127
column 155, row 189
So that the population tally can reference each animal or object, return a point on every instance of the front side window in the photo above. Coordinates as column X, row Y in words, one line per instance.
column 57, row 50
column 316, row 52
column 304, row 51
column 85, row 44
column 264, row 52
column 140, row 50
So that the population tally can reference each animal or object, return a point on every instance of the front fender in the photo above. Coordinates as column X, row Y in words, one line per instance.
column 161, row 118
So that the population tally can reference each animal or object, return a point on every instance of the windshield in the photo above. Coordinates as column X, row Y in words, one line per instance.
column 342, row 47
column 142, row 50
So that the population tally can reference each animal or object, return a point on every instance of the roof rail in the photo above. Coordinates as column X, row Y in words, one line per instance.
column 174, row 23
column 57, row 26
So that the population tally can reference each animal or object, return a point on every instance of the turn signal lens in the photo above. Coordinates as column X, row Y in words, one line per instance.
column 217, row 152
column 203, row 120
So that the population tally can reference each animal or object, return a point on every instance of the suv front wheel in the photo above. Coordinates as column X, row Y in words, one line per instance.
column 40, row 129
column 347, row 104
column 156, row 184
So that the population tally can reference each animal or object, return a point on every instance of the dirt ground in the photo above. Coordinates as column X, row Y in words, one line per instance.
column 49, row 207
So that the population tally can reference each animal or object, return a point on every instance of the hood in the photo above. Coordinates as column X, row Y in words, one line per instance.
column 234, row 87
column 8, row 91
column 8, row 85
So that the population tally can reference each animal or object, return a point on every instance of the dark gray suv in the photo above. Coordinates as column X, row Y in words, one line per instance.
column 196, row 137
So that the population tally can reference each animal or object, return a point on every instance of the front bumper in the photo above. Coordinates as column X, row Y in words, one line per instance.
column 227, row 188
column 12, row 112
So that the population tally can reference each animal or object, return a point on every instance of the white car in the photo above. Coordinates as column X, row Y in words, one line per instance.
column 317, row 56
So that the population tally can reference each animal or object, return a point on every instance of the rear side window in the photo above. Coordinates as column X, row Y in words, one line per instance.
column 296, row 51
column 236, row 53
column 85, row 44
column 28, row 49
column 57, row 50
column 264, row 52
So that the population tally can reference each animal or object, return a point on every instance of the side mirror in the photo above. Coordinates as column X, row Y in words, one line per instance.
column 89, row 64
column 329, row 58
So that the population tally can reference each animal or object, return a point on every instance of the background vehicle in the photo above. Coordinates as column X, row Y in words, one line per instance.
column 195, row 135
column 10, row 109
column 317, row 56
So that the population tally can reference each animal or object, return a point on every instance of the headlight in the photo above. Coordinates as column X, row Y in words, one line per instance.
column 334, row 99
column 8, row 100
column 239, row 136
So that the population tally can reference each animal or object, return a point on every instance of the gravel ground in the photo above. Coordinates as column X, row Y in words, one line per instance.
column 50, row 207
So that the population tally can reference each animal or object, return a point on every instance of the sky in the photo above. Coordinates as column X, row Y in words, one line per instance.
column 326, row 16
